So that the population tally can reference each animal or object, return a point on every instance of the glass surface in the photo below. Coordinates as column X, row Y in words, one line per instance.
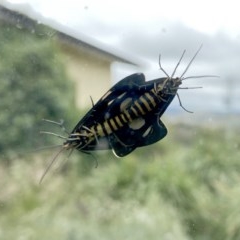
column 185, row 186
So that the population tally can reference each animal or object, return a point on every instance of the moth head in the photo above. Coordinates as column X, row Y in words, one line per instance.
column 174, row 82
column 169, row 85
column 76, row 141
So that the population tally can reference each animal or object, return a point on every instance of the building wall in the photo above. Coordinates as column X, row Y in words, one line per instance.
column 90, row 72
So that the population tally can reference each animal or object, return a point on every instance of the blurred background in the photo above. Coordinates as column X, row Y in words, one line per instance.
column 54, row 56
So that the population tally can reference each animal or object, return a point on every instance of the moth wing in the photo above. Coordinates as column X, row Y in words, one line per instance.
column 154, row 133
column 125, row 141
column 97, row 113
column 127, row 85
column 119, row 148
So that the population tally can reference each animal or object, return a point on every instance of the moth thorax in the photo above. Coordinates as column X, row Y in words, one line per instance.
column 176, row 82
column 172, row 84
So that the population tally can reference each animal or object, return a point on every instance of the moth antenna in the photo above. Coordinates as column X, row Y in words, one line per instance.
column 50, row 164
column 175, row 69
column 21, row 153
column 54, row 134
column 180, row 103
column 94, row 158
column 45, row 148
column 189, row 64
column 60, row 124
column 66, row 159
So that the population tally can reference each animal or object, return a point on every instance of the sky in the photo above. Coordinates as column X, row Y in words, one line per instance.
column 148, row 28
column 205, row 16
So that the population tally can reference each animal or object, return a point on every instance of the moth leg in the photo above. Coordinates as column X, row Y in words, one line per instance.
column 60, row 124
column 180, row 103
column 94, row 133
column 92, row 101
column 94, row 158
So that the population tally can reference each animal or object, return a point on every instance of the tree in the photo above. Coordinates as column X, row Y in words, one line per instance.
column 33, row 86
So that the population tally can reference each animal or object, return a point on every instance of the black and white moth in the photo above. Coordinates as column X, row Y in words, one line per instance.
column 128, row 115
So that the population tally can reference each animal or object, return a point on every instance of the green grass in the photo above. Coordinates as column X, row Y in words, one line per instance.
column 184, row 187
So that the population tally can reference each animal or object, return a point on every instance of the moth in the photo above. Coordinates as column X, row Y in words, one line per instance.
column 128, row 115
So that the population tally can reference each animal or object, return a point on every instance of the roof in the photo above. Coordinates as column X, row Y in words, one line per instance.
column 15, row 17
